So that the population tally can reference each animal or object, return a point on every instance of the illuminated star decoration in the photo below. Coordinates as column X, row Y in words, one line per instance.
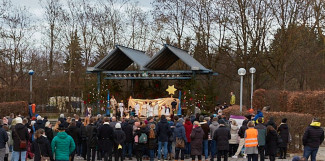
column 171, row 89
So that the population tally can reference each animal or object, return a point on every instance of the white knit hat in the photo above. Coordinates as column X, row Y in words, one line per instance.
column 39, row 117
column 19, row 120
column 117, row 126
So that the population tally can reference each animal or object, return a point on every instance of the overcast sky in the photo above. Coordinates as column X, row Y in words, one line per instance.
column 35, row 7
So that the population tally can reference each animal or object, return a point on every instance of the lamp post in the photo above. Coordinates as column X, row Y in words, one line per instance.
column 31, row 72
column 241, row 72
column 252, row 70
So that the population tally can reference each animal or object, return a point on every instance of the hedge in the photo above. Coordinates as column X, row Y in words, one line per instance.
column 312, row 102
column 297, row 123
column 19, row 107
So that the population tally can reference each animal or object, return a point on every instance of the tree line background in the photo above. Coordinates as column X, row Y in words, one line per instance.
column 283, row 39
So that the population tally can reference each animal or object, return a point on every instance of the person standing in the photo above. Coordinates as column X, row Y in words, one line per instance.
column 121, row 107
column 261, row 138
column 39, row 123
column 144, row 109
column 75, row 133
column 105, row 137
column 19, row 133
column 188, row 130
column 213, row 127
column 206, row 129
column 92, row 140
column 196, row 141
column 179, row 134
column 232, row 98
column 137, row 109
column 283, row 131
column 174, row 104
column 41, row 146
column 128, row 145
column 3, row 141
column 233, row 142
column 163, row 131
column 241, row 134
column 152, row 142
column 251, row 142
column 313, row 137
column 113, row 104
column 156, row 109
column 62, row 145
column 222, row 137
column 119, row 138
column 271, row 142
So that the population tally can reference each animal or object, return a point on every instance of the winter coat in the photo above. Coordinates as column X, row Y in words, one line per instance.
column 3, row 138
column 179, row 132
column 206, row 130
column 213, row 127
column 234, row 134
column 41, row 147
column 271, row 142
column 22, row 131
column 74, row 132
column 242, row 129
column 119, row 136
column 91, row 131
column 105, row 137
column 258, row 115
column 196, row 141
column 112, row 124
column 62, row 146
column 222, row 137
column 49, row 134
column 261, row 134
column 313, row 136
column 152, row 142
column 188, row 130
column 283, row 131
column 39, row 125
column 163, row 130
column 128, row 130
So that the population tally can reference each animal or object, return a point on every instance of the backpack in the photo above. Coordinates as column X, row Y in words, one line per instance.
column 143, row 139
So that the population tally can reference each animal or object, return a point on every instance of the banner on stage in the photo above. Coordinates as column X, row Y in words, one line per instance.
column 161, row 101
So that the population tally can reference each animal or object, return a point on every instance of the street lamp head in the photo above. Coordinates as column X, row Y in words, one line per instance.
column 31, row 72
column 252, row 70
column 241, row 71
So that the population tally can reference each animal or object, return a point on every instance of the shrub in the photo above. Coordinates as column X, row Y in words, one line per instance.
column 19, row 107
column 297, row 123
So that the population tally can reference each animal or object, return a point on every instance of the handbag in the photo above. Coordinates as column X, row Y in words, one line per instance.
column 42, row 157
column 22, row 143
column 180, row 143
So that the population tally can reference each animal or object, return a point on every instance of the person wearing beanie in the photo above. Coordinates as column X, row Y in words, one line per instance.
column 261, row 137
column 196, row 141
column 119, row 138
column 179, row 134
column 19, row 133
column 213, row 127
column 283, row 131
column 222, row 137
column 39, row 123
column 62, row 144
column 163, row 131
column 313, row 137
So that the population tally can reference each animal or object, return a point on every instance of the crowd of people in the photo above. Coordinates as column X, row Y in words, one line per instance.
column 164, row 138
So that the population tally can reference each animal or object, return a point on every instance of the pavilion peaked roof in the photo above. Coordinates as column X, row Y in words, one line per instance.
column 168, row 55
column 121, row 58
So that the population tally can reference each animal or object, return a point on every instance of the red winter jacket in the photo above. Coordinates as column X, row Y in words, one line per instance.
column 188, row 130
